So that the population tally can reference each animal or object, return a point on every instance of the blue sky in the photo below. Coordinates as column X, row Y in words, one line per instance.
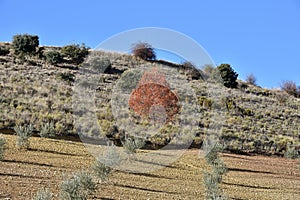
column 254, row 36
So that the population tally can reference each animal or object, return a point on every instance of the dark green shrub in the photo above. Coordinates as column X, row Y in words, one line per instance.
column 25, row 44
column 66, row 76
column 144, row 51
column 4, row 50
column 228, row 75
column 2, row 147
column 53, row 57
column 75, row 53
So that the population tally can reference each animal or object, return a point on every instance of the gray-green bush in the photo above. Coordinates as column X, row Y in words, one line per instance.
column 47, row 130
column 131, row 145
column 101, row 170
column 23, row 134
column 291, row 153
column 43, row 194
column 213, row 178
column 77, row 187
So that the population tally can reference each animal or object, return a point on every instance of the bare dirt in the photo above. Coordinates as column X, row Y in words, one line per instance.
column 48, row 161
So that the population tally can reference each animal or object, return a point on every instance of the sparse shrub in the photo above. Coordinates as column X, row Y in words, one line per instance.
column 251, row 79
column 243, row 86
column 282, row 97
column 290, row 88
column 101, row 170
column 247, row 112
column 144, row 51
column 2, row 147
column 131, row 145
column 53, row 57
column 111, row 157
column 47, row 130
column 191, row 70
column 40, row 52
column 100, row 64
column 75, row 53
column 208, row 69
column 4, row 50
column 104, row 165
column 228, row 75
column 25, row 44
column 77, row 187
column 229, row 103
column 291, row 153
column 43, row 194
column 66, row 76
column 23, row 134
column 205, row 102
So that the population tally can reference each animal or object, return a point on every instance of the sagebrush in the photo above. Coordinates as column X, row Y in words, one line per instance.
column 23, row 133
column 77, row 187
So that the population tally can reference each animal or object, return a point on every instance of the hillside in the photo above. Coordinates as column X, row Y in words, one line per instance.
column 252, row 119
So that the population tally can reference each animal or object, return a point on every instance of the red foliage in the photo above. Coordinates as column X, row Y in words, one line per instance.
column 154, row 97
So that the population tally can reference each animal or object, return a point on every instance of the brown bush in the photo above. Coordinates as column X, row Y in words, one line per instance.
column 251, row 79
column 290, row 88
column 144, row 51
column 153, row 98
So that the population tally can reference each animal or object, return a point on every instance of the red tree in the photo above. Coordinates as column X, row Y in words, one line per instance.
column 153, row 98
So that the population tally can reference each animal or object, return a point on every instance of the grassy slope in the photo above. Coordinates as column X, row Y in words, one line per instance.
column 33, row 91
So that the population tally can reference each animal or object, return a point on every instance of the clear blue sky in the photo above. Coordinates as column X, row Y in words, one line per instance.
column 254, row 36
